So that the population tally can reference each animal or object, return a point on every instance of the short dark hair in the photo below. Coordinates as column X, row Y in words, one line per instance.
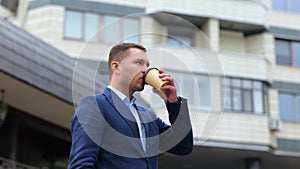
column 117, row 52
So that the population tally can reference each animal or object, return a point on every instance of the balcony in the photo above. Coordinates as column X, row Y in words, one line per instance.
column 246, row 16
column 202, row 60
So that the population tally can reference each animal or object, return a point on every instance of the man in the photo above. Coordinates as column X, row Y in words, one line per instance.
column 109, row 131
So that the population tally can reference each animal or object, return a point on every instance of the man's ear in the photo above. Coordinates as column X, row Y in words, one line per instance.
column 115, row 66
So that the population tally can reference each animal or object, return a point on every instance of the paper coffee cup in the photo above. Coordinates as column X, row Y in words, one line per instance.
column 151, row 77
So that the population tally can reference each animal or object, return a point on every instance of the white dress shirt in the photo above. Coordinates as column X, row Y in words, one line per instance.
column 132, row 107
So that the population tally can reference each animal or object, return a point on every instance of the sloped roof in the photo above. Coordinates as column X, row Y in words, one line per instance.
column 37, row 63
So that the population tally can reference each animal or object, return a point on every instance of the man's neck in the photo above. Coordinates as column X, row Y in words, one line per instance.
column 126, row 92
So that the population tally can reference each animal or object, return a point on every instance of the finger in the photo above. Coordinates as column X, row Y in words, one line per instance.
column 163, row 75
column 160, row 93
column 169, row 79
column 160, row 71
column 154, row 90
column 157, row 91
column 168, row 88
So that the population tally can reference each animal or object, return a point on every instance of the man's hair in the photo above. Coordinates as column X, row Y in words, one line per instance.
column 117, row 52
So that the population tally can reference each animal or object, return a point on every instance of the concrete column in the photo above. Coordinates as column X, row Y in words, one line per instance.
column 155, row 32
column 22, row 12
column 211, row 29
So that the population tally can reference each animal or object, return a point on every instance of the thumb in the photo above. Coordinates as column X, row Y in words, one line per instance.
column 160, row 93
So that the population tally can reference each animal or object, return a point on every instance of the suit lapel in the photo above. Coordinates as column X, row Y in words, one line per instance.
column 123, row 111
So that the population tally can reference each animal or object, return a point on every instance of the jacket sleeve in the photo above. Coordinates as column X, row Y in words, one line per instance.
column 178, row 138
column 86, row 128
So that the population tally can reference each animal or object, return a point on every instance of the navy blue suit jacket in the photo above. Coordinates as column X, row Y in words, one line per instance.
column 105, row 134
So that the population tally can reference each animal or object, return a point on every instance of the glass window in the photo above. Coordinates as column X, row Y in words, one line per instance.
column 298, row 108
column 91, row 27
column 180, row 37
column 247, row 84
column 282, row 52
column 179, row 41
column 247, row 100
column 287, row 52
column 245, row 95
column 236, row 82
column 131, row 30
column 185, row 40
column 227, row 99
column 286, row 107
column 198, row 90
column 177, row 80
column 279, row 5
column 257, row 85
column 204, row 87
column 237, row 100
column 266, row 106
column 173, row 42
column 294, row 6
column 189, row 90
column 85, row 26
column 182, row 89
column 296, row 52
column 73, row 25
column 258, row 102
column 112, row 29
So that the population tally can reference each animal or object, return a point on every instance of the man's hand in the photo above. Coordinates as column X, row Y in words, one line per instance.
column 169, row 91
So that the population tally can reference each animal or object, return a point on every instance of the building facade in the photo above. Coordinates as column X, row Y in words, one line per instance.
column 238, row 62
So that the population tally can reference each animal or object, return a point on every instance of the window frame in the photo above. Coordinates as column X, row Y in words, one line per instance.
column 296, row 105
column 292, row 55
column 229, row 86
column 178, row 32
column 100, row 37
column 65, row 24
column 179, row 79
column 84, row 38
column 121, row 26
column 287, row 7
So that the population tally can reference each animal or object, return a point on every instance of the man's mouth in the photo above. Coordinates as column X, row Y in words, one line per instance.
column 142, row 81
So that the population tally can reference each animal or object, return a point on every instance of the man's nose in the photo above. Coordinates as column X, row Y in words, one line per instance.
column 144, row 69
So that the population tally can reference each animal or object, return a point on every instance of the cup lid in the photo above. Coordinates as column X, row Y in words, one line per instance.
column 144, row 76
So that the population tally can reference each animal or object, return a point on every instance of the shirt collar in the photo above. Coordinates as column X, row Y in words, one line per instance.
column 121, row 95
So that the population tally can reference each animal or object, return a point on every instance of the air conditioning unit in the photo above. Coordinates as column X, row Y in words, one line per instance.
column 275, row 124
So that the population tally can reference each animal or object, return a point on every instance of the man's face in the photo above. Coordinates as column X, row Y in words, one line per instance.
column 132, row 68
